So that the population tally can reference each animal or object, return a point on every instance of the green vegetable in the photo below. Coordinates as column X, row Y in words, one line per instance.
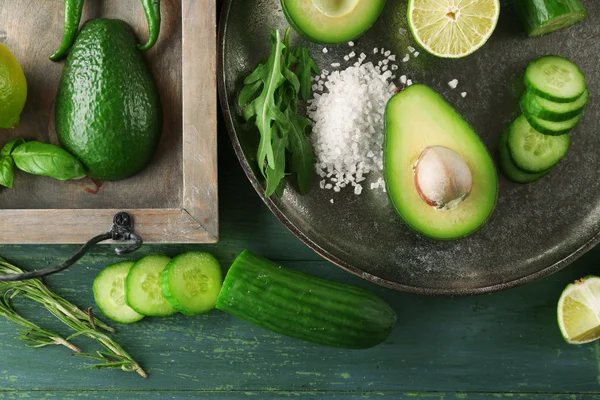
column 108, row 108
column 553, row 128
column 152, row 10
column 270, row 96
column 73, row 11
column 47, row 160
column 8, row 148
column 551, row 111
column 304, row 307
column 191, row 282
column 79, row 321
column 109, row 293
column 143, row 290
column 532, row 151
column 7, row 171
column 541, row 17
column 556, row 79
column 508, row 167
column 304, row 70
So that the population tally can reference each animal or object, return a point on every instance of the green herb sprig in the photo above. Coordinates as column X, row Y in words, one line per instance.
column 270, row 96
column 84, row 324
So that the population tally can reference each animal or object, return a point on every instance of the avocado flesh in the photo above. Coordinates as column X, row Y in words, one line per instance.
column 332, row 21
column 415, row 119
column 108, row 112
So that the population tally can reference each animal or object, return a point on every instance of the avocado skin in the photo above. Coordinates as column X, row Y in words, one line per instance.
column 108, row 111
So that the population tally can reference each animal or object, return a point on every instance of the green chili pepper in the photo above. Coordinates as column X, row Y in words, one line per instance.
column 73, row 11
column 152, row 10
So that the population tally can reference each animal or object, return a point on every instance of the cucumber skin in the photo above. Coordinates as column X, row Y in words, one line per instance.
column 510, row 170
column 550, row 132
column 304, row 307
column 535, row 13
column 168, row 294
column 529, row 105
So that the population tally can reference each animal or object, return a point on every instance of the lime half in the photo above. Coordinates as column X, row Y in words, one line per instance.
column 579, row 311
column 452, row 28
column 13, row 89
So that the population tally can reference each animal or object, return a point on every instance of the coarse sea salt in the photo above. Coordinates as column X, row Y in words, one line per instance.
column 348, row 125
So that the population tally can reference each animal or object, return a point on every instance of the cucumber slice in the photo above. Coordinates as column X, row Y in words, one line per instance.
column 541, row 17
column 142, row 287
column 510, row 170
column 109, row 293
column 192, row 282
column 553, row 128
column 532, row 104
column 532, row 151
column 555, row 78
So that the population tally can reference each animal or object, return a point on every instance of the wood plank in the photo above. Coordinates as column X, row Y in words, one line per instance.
column 506, row 342
column 299, row 395
column 200, row 190
column 78, row 226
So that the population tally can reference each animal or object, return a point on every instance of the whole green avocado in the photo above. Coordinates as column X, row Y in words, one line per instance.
column 108, row 110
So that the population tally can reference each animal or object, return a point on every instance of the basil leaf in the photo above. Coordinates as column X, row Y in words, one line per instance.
column 47, row 160
column 10, row 146
column 7, row 171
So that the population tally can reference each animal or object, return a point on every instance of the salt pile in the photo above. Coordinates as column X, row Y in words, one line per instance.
column 347, row 110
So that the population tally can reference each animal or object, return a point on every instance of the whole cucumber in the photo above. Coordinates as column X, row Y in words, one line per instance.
column 108, row 110
column 302, row 306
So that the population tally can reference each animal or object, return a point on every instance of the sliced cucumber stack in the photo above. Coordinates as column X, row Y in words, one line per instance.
column 552, row 106
column 158, row 286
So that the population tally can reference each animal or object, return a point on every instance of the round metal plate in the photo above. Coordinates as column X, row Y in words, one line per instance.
column 536, row 229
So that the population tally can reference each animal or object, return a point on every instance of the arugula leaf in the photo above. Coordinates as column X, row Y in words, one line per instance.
column 270, row 95
column 263, row 107
column 302, row 156
column 276, row 170
column 304, row 70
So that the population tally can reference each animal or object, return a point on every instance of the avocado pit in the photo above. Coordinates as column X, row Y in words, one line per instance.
column 442, row 177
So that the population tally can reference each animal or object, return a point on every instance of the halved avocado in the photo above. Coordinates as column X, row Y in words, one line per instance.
column 421, row 127
column 332, row 21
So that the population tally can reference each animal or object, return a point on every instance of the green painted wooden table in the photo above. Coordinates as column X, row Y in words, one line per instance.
column 504, row 345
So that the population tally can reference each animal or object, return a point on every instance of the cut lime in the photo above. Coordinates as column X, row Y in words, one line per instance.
column 13, row 89
column 579, row 311
column 452, row 28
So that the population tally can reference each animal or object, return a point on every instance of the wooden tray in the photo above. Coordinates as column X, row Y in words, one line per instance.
column 174, row 200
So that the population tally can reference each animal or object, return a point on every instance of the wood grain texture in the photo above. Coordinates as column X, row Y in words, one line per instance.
column 32, row 29
column 200, row 189
column 297, row 395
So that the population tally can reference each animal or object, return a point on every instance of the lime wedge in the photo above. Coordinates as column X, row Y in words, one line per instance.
column 452, row 28
column 579, row 311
